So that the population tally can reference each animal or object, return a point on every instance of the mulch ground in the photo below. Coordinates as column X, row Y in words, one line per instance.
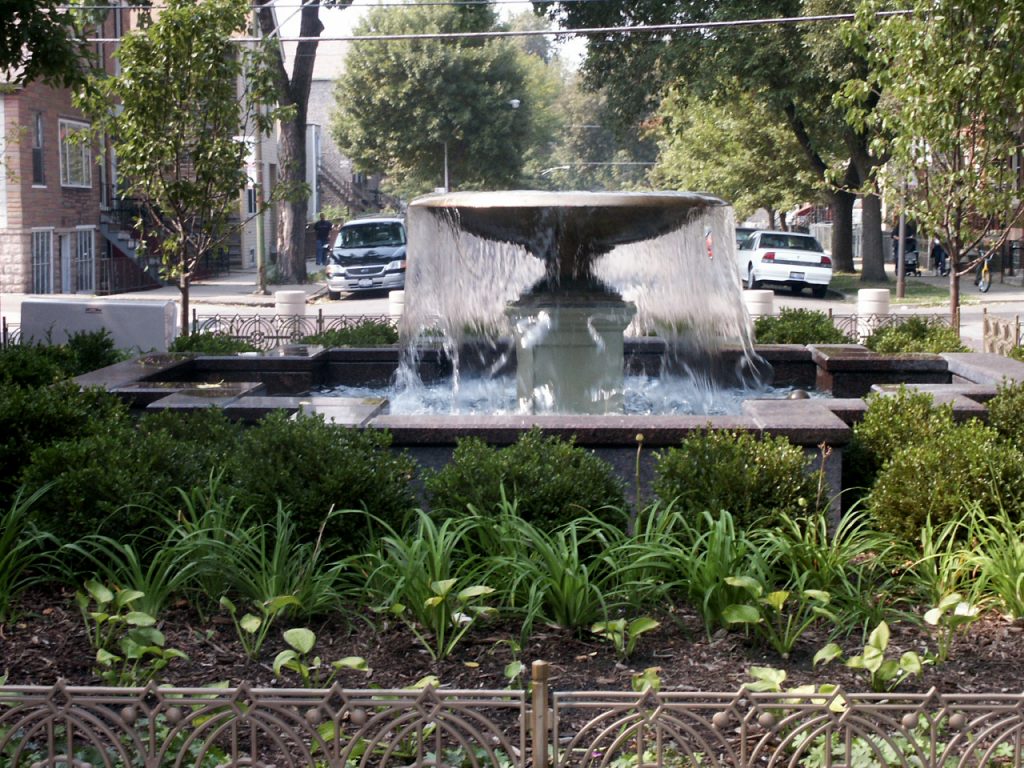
column 48, row 642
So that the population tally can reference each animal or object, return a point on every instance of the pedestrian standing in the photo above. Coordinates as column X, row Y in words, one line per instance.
column 323, row 239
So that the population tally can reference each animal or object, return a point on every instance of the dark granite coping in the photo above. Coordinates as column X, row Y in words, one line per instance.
column 803, row 422
column 984, row 367
column 192, row 395
column 979, row 393
column 854, row 357
column 343, row 411
column 130, row 371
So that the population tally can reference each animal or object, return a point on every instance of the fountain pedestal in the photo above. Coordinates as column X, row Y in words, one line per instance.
column 569, row 352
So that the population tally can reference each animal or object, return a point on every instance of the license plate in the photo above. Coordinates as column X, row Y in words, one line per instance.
column 365, row 282
column 796, row 275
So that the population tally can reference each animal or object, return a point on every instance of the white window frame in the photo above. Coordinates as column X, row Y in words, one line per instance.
column 42, row 261
column 75, row 156
column 85, row 260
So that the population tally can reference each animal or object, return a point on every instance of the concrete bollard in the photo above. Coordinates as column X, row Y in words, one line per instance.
column 290, row 303
column 759, row 303
column 872, row 310
column 396, row 303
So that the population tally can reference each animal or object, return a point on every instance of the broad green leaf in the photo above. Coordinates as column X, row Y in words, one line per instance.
column 641, row 625
column 250, row 623
column 828, row 653
column 283, row 659
column 741, row 614
column 470, row 592
column 105, row 657
column 442, row 587
column 873, row 658
column 139, row 619
column 879, row 637
column 99, row 592
column 351, row 662
column 127, row 597
column 745, row 582
column 777, row 599
column 300, row 638
column 910, row 663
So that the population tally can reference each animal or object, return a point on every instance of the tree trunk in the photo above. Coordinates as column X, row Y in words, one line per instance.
column 294, row 91
column 183, row 285
column 841, row 203
column 872, row 251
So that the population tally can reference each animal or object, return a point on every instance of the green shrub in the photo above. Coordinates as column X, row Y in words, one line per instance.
column 368, row 333
column 938, row 474
column 1017, row 353
column 31, row 419
column 891, row 422
column 916, row 334
column 210, row 344
column 36, row 365
column 551, row 481
column 104, row 482
column 1006, row 413
column 798, row 326
column 313, row 467
column 750, row 478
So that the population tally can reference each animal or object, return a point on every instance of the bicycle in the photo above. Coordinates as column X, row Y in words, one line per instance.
column 983, row 275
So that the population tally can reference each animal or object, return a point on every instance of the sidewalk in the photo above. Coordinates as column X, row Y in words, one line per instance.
column 236, row 287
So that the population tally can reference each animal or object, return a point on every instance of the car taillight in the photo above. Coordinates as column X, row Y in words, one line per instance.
column 768, row 256
column 826, row 261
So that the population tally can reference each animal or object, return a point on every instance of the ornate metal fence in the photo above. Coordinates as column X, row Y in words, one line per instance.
column 268, row 331
column 337, row 727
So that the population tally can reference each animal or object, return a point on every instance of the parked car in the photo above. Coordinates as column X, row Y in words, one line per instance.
column 784, row 258
column 742, row 233
column 368, row 255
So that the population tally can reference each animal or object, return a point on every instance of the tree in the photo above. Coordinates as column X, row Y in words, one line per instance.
column 779, row 64
column 174, row 115
column 733, row 147
column 410, row 109
column 42, row 40
column 948, row 82
column 292, row 93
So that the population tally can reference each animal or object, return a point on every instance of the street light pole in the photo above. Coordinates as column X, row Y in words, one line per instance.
column 446, row 166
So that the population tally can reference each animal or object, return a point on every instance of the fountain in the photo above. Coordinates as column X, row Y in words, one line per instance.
column 565, row 273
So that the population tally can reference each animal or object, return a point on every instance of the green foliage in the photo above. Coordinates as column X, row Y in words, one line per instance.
column 415, row 577
column 885, row 673
column 24, row 552
column 847, row 560
column 940, row 473
column 916, row 334
column 891, row 422
column 115, row 625
column 210, row 343
column 778, row 617
column 368, row 333
column 191, row 170
column 552, row 481
column 35, row 365
column 252, row 628
column 1006, row 412
column 391, row 123
column 312, row 467
column 314, row 672
column 735, row 471
column 953, row 614
column 798, row 326
column 103, row 482
column 624, row 634
column 993, row 556
column 44, row 40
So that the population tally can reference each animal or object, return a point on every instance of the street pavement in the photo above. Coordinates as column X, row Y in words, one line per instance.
column 236, row 293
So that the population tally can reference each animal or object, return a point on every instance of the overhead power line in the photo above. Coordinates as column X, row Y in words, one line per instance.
column 628, row 29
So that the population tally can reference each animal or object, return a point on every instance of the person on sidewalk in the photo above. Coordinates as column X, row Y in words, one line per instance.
column 938, row 258
column 323, row 239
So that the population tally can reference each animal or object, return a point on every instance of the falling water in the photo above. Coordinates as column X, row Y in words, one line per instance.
column 668, row 256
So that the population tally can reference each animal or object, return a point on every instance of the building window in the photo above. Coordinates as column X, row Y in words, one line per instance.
column 38, row 170
column 85, row 261
column 250, row 200
column 75, row 155
column 42, row 261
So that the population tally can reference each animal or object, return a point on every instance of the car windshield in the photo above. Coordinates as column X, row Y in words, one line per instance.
column 371, row 234
column 791, row 242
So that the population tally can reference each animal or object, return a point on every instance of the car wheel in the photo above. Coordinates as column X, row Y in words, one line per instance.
column 819, row 291
column 334, row 295
column 752, row 284
column 796, row 289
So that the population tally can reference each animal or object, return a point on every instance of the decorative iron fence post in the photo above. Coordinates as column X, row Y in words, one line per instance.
column 540, row 723
column 320, row 320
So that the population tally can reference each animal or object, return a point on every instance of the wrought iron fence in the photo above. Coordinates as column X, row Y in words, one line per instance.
column 268, row 331
column 155, row 726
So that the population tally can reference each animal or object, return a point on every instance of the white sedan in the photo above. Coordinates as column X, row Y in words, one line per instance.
column 784, row 258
